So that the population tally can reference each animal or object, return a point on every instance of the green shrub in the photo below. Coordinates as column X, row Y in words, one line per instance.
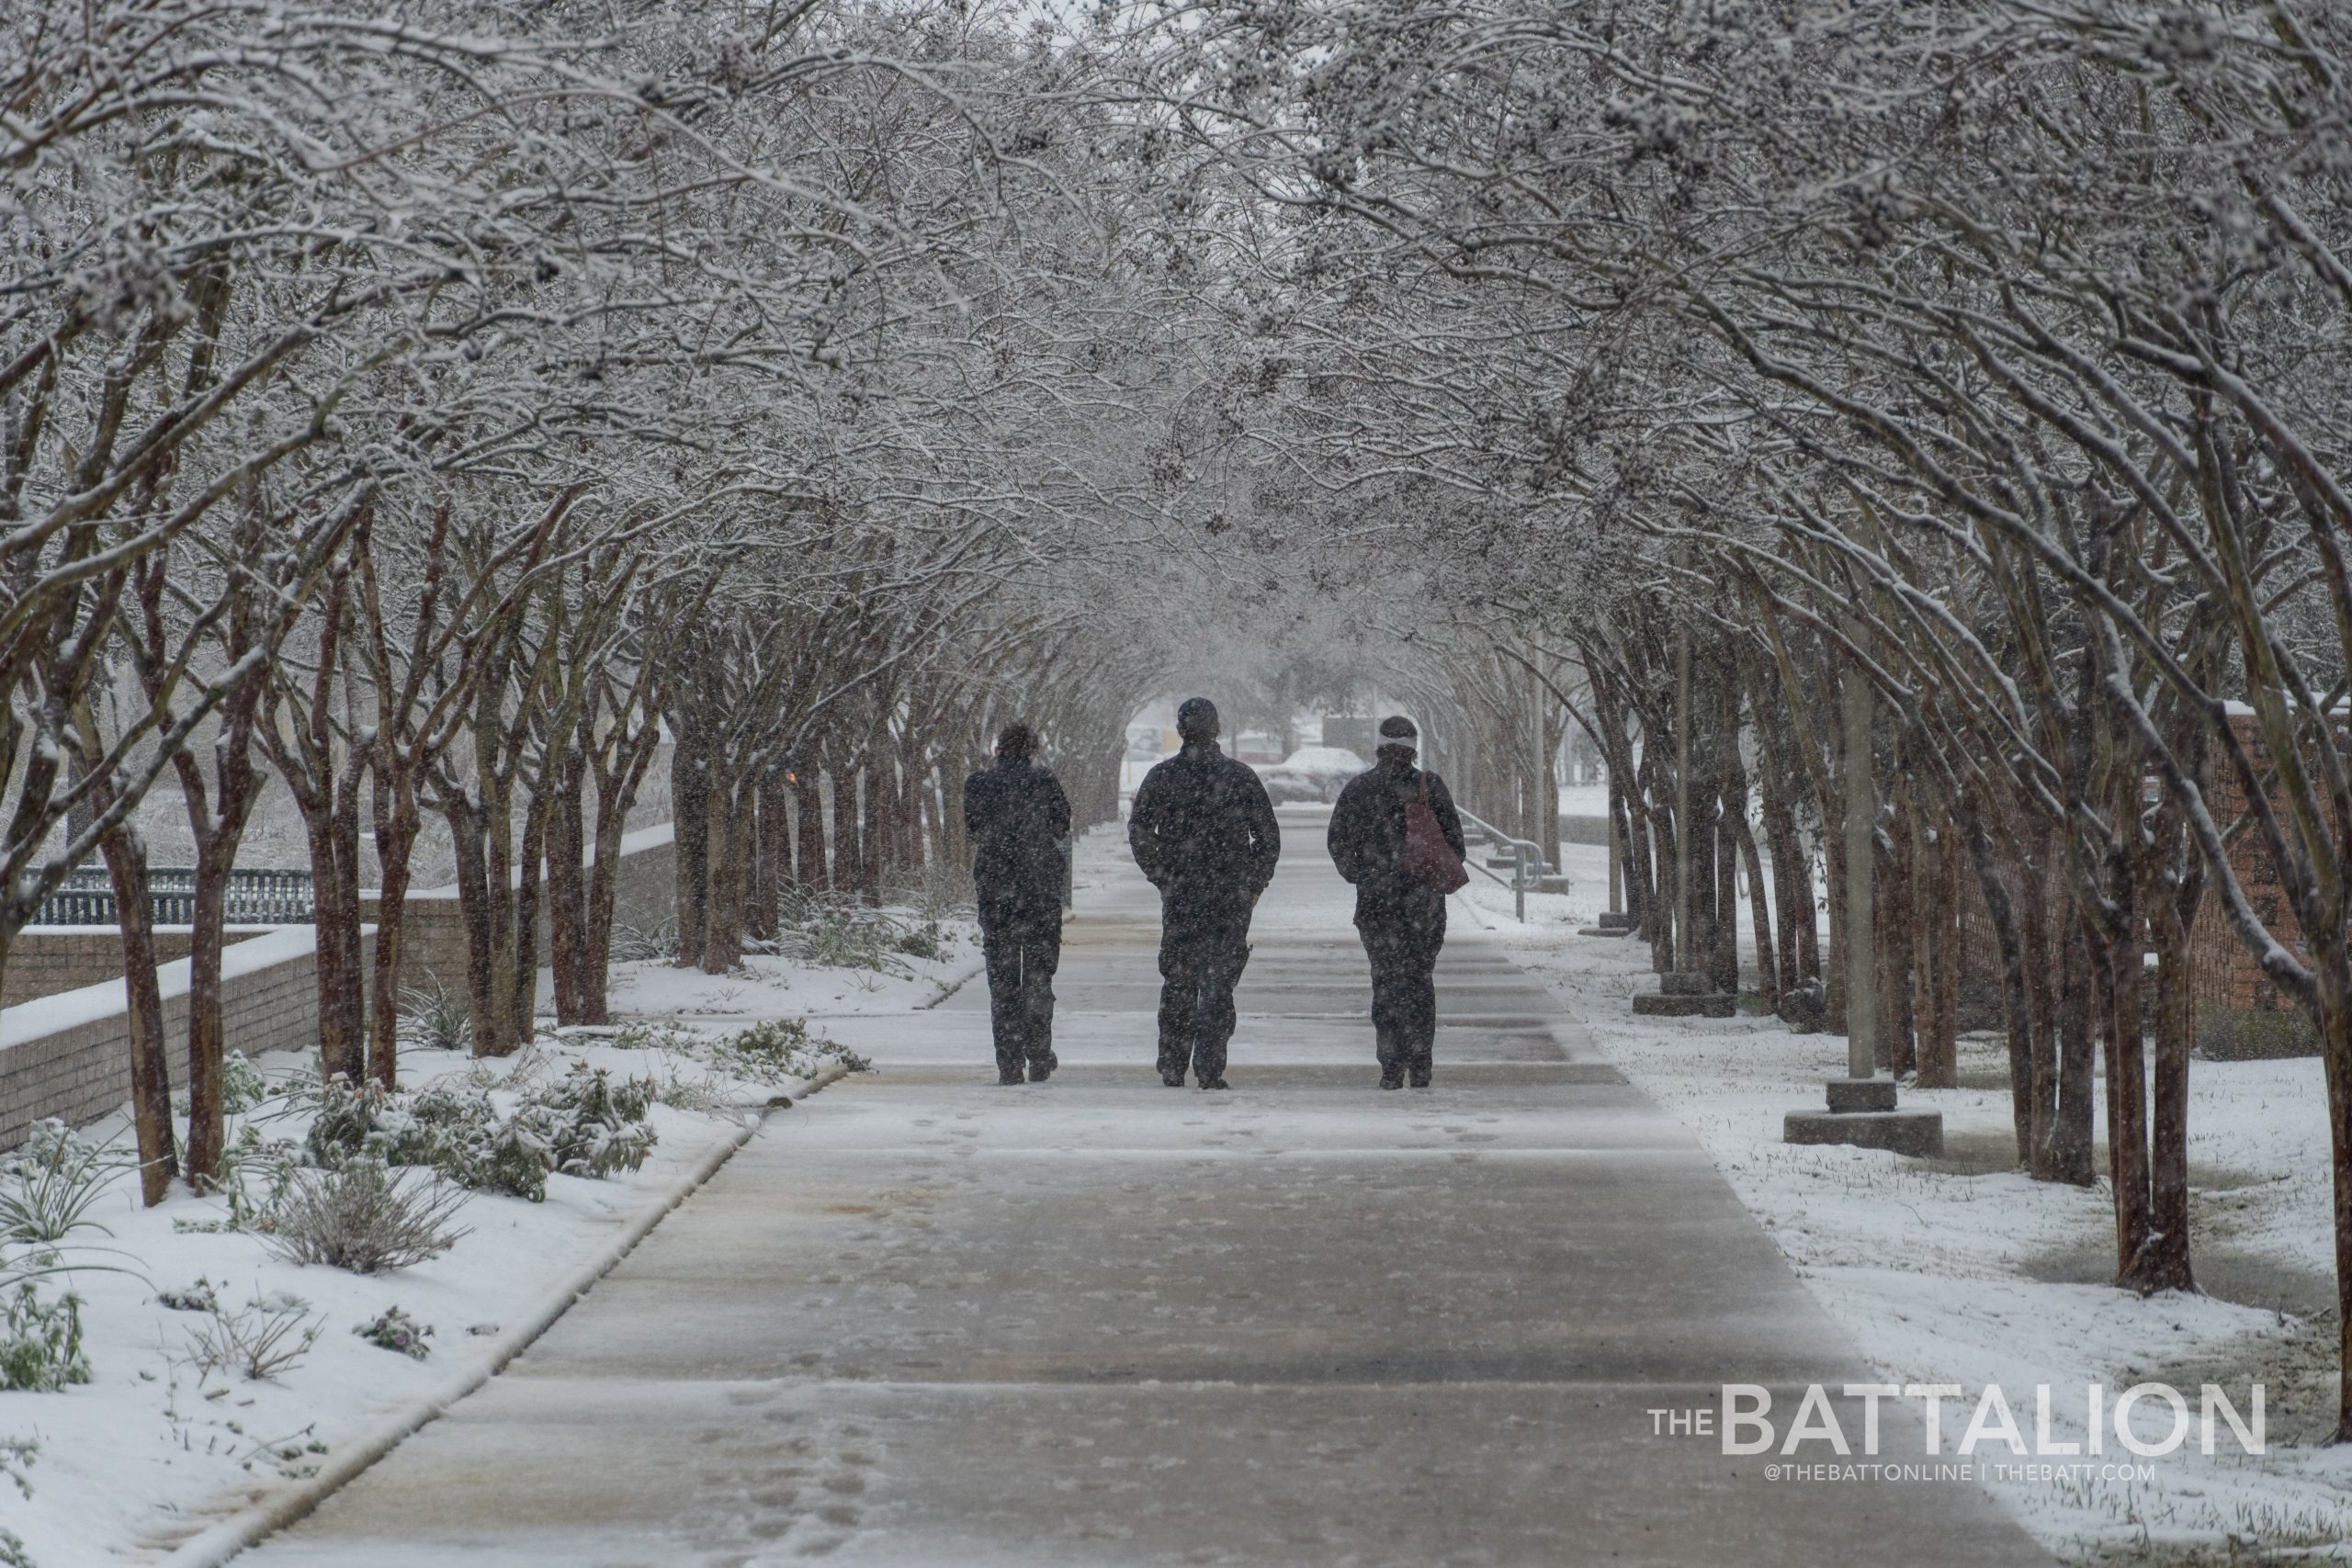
column 435, row 1017
column 591, row 1125
column 49, row 1186
column 586, row 1124
column 776, row 1049
column 242, row 1087
column 40, row 1342
column 640, row 1034
column 395, row 1330
column 16, row 1456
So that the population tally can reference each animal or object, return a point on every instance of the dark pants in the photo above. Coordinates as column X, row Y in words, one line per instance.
column 1023, row 951
column 1404, row 989
column 1202, row 954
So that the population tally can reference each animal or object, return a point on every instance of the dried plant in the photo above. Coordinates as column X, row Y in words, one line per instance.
column 363, row 1216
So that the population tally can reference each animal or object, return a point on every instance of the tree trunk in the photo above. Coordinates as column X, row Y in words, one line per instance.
column 1948, row 965
column 2072, row 1152
column 809, row 825
column 207, row 1129
column 2048, row 1003
column 2335, row 1022
column 393, row 797
column 2016, row 1011
column 567, row 889
column 2164, row 1261
column 871, row 822
column 690, row 810
column 474, row 912
column 723, row 935
column 150, row 1082
column 1898, row 959
column 523, row 947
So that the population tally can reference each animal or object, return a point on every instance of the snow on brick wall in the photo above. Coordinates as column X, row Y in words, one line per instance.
column 45, row 960
column 68, row 1054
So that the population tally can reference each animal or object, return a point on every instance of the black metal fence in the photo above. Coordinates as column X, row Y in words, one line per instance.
column 255, row 898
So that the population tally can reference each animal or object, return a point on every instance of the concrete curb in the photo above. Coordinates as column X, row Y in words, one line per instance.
column 962, row 980
column 219, row 1543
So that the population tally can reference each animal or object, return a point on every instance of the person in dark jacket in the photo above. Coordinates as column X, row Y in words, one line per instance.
column 1203, row 833
column 1018, row 822
column 1401, row 918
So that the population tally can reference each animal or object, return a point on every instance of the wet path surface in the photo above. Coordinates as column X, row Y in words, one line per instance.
column 930, row 1320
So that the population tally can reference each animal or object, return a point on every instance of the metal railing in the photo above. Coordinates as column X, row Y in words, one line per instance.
column 1528, row 864
column 254, row 899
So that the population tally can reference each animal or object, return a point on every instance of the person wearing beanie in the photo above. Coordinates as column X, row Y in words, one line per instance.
column 1018, row 821
column 1204, row 833
column 1400, row 917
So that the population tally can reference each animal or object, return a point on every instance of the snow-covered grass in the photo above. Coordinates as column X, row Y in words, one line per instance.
column 1962, row 1271
column 154, row 1447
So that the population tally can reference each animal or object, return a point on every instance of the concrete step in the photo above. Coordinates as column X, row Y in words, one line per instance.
column 1917, row 1132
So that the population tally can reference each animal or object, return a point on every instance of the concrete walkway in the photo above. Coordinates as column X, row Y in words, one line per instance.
column 931, row 1320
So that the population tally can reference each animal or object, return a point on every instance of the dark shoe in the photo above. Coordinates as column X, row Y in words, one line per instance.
column 1173, row 1080
column 1214, row 1083
column 1041, row 1068
column 1421, row 1078
column 1392, row 1080
column 1011, row 1075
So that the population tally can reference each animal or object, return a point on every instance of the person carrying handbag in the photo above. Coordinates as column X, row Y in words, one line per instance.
column 1397, row 839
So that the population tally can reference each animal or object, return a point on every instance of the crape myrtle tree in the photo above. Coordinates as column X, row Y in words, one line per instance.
column 202, row 272
column 214, row 272
column 2019, row 330
column 349, row 368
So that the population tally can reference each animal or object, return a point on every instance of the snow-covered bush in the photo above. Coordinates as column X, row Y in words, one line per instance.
column 395, row 1330
column 49, row 1186
column 841, row 933
column 16, row 1456
column 199, row 1297
column 435, row 1017
column 362, row 1216
column 656, row 943
column 591, row 1125
column 450, row 1128
column 638, row 1034
column 40, row 1342
column 583, row 1125
column 776, row 1049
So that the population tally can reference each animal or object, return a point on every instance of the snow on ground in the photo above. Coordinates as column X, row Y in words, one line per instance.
column 152, row 1450
column 769, row 986
column 1962, row 1271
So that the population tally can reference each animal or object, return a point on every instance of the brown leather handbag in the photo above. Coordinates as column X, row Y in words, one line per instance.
column 1426, row 854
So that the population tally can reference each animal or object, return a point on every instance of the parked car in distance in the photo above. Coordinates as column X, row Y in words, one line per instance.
column 1310, row 774
column 1257, row 748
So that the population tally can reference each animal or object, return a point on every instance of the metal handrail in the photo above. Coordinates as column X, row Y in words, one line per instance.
column 252, row 896
column 1525, row 855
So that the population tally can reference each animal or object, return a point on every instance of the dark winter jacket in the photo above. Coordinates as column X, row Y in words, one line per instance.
column 1367, row 843
column 1203, row 833
column 1018, row 821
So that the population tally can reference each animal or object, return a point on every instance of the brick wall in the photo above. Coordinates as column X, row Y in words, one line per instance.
column 68, row 1054
column 47, row 960
column 2239, row 1012
column 433, row 937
